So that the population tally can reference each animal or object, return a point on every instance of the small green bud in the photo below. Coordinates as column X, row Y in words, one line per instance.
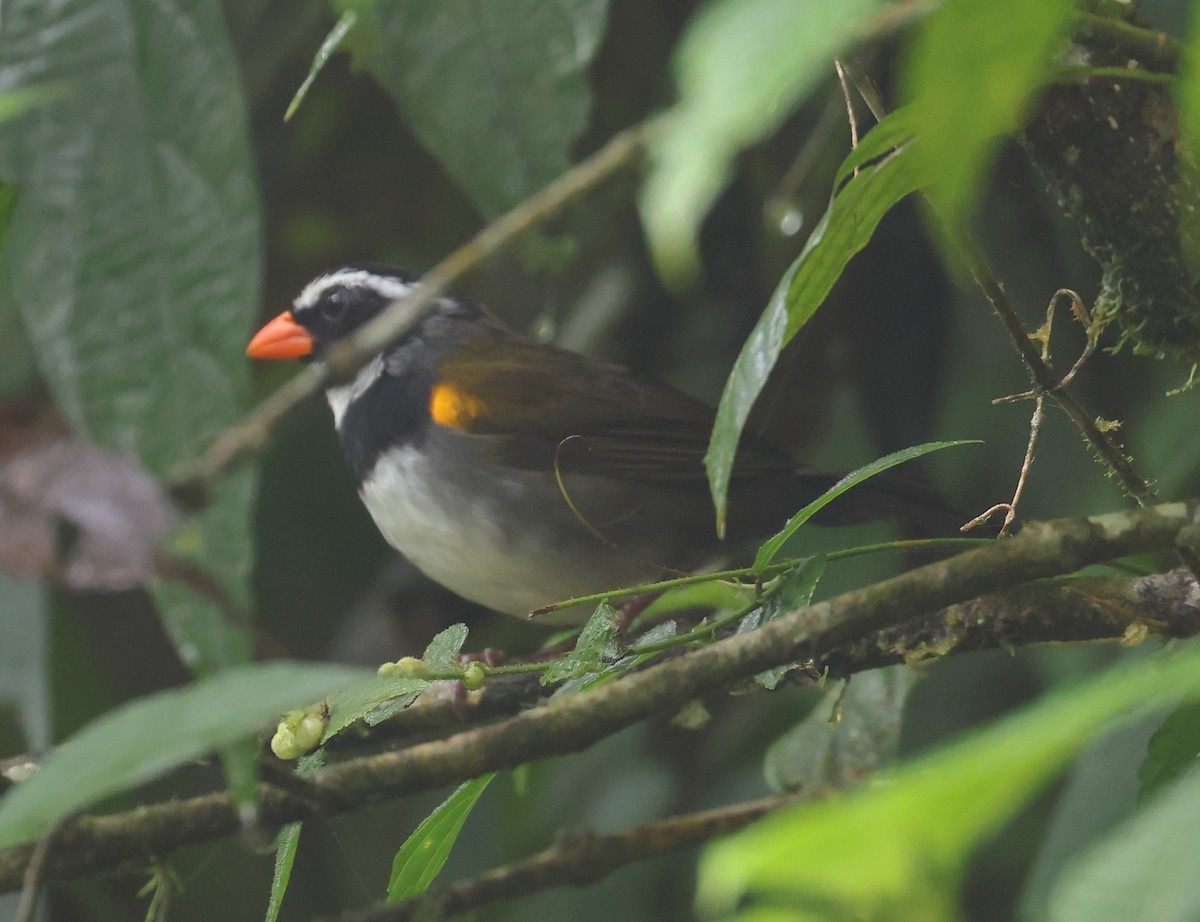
column 409, row 667
column 299, row 732
column 474, row 676
column 283, row 743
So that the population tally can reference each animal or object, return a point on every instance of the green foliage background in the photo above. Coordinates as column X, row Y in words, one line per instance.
column 163, row 207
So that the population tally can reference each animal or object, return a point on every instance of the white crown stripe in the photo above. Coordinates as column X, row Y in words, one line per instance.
column 351, row 278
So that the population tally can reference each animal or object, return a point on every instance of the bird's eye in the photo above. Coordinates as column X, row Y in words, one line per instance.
column 333, row 306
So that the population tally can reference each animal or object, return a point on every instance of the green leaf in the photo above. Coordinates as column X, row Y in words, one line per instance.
column 886, row 137
column 820, row 753
column 497, row 92
column 14, row 102
column 1098, row 792
column 18, row 365
column 770, row 547
column 25, row 657
column 896, row 850
column 595, row 644
column 287, row 843
column 795, row 591
column 715, row 594
column 845, row 228
column 1145, row 869
column 218, row 542
column 424, row 853
column 443, row 651
column 133, row 254
column 743, row 66
column 655, row 635
column 8, row 201
column 641, row 651
column 153, row 233
column 141, row 740
column 390, row 707
column 333, row 41
column 1172, row 752
column 1187, row 92
column 371, row 698
column 969, row 73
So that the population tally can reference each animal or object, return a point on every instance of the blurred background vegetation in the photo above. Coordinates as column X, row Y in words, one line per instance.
column 900, row 354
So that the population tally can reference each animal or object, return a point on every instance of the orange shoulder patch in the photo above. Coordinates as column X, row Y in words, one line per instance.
column 454, row 408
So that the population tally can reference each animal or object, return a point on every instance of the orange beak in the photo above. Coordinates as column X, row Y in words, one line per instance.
column 281, row 338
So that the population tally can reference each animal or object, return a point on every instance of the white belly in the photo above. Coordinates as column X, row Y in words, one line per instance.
column 455, row 533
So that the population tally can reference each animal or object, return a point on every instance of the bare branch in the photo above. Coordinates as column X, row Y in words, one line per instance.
column 1116, row 609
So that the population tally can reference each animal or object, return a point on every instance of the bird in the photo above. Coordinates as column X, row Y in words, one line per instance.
column 517, row 474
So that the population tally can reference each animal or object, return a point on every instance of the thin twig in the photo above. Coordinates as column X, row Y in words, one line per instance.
column 895, row 16
column 815, row 144
column 1010, row 508
column 620, row 151
column 755, row 574
column 1082, row 74
column 32, row 878
column 1043, row 377
column 1035, row 429
column 1092, row 329
column 1153, row 46
column 851, row 117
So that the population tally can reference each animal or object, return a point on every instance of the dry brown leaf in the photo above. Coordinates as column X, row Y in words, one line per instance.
column 74, row 512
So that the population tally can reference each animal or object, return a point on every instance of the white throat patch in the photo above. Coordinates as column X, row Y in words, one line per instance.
column 341, row 396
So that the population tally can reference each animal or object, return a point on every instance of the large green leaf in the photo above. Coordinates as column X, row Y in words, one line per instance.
column 1098, row 792
column 424, row 853
column 497, row 92
column 1188, row 87
column 742, row 68
column 133, row 251
column 18, row 368
column 1187, row 92
column 853, row 731
column 144, row 738
column 1143, row 871
column 847, row 225
column 896, row 850
column 25, row 657
column 971, row 69
column 1172, row 752
column 287, row 843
